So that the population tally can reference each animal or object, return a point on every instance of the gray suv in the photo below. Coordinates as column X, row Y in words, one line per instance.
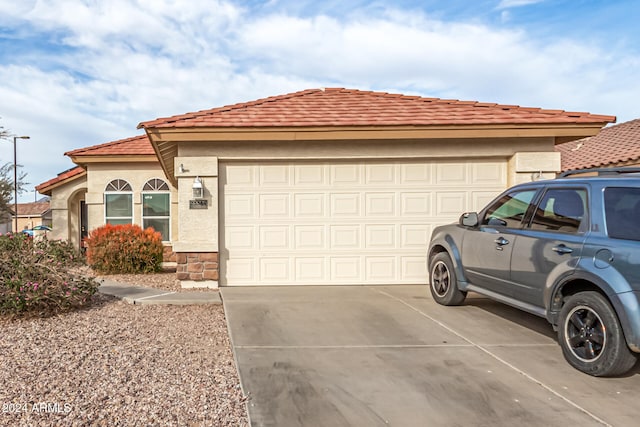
column 566, row 249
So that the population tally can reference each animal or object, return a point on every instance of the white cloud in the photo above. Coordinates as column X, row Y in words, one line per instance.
column 507, row 4
column 122, row 62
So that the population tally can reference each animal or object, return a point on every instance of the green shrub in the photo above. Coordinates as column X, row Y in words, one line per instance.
column 118, row 249
column 40, row 277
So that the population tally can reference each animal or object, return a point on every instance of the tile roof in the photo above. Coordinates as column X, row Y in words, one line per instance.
column 134, row 146
column 614, row 144
column 62, row 177
column 349, row 107
column 32, row 209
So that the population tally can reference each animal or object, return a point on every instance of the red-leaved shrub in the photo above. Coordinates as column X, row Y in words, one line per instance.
column 117, row 249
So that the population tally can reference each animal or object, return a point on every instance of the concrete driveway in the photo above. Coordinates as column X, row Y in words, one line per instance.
column 389, row 355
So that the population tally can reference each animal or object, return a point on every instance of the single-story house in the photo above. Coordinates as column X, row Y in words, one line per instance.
column 613, row 146
column 30, row 215
column 317, row 187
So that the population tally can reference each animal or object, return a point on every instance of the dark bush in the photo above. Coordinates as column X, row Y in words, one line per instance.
column 40, row 277
column 120, row 249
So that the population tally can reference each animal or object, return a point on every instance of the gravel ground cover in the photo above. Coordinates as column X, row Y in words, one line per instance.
column 117, row 364
column 165, row 280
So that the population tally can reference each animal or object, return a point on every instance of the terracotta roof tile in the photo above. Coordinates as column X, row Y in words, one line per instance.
column 62, row 177
column 31, row 209
column 137, row 145
column 614, row 144
column 347, row 107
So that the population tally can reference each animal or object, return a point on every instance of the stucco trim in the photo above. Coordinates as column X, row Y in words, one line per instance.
column 113, row 159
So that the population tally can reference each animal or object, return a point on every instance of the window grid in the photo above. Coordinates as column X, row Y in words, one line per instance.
column 118, row 196
column 159, row 190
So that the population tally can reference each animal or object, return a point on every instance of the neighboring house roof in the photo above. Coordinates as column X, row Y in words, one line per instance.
column 32, row 209
column 62, row 178
column 619, row 144
column 135, row 148
column 348, row 107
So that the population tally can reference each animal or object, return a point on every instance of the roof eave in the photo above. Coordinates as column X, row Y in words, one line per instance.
column 46, row 190
column 164, row 139
column 113, row 158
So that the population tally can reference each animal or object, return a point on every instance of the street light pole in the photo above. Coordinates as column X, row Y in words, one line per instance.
column 15, row 180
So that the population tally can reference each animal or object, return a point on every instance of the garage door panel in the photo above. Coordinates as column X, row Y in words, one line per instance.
column 309, row 237
column 380, row 269
column 240, row 270
column 276, row 175
column 380, row 174
column 310, row 269
column 451, row 174
column 345, row 269
column 489, row 174
column 346, row 174
column 309, row 205
column 416, row 174
column 274, row 237
column 345, row 204
column 324, row 223
column 418, row 203
column 451, row 203
column 240, row 237
column 240, row 205
column 345, row 236
column 414, row 268
column 414, row 235
column 239, row 175
column 274, row 205
column 380, row 236
column 380, row 204
column 274, row 270
column 309, row 175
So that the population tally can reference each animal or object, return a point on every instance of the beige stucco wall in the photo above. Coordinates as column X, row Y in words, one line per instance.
column 437, row 148
column 136, row 174
column 65, row 201
column 525, row 167
column 198, row 228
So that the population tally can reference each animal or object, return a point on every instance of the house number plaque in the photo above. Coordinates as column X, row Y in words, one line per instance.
column 199, row 204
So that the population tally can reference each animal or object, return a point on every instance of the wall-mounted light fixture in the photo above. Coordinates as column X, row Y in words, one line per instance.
column 198, row 188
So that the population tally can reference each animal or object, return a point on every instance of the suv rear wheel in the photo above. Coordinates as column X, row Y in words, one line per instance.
column 591, row 337
column 444, row 286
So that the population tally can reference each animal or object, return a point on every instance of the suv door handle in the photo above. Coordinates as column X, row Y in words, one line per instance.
column 562, row 249
column 501, row 241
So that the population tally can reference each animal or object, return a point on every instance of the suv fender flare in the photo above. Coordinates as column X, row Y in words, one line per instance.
column 448, row 244
column 620, row 295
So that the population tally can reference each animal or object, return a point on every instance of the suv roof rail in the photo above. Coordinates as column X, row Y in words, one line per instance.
column 600, row 171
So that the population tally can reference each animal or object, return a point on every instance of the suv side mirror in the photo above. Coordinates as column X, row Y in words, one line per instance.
column 469, row 219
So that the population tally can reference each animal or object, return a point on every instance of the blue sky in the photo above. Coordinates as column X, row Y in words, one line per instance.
column 75, row 73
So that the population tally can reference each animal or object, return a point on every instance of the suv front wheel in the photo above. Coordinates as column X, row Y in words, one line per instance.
column 591, row 337
column 444, row 286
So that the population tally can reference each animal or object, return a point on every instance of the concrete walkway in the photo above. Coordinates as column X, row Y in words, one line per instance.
column 142, row 295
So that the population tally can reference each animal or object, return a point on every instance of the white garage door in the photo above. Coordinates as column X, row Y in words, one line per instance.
column 334, row 223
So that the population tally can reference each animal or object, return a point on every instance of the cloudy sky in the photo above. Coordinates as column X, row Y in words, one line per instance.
column 75, row 73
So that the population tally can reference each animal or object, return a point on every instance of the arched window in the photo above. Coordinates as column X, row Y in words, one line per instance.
column 118, row 202
column 156, row 207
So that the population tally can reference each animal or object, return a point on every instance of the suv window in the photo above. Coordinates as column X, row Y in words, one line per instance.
column 509, row 210
column 561, row 209
column 622, row 211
